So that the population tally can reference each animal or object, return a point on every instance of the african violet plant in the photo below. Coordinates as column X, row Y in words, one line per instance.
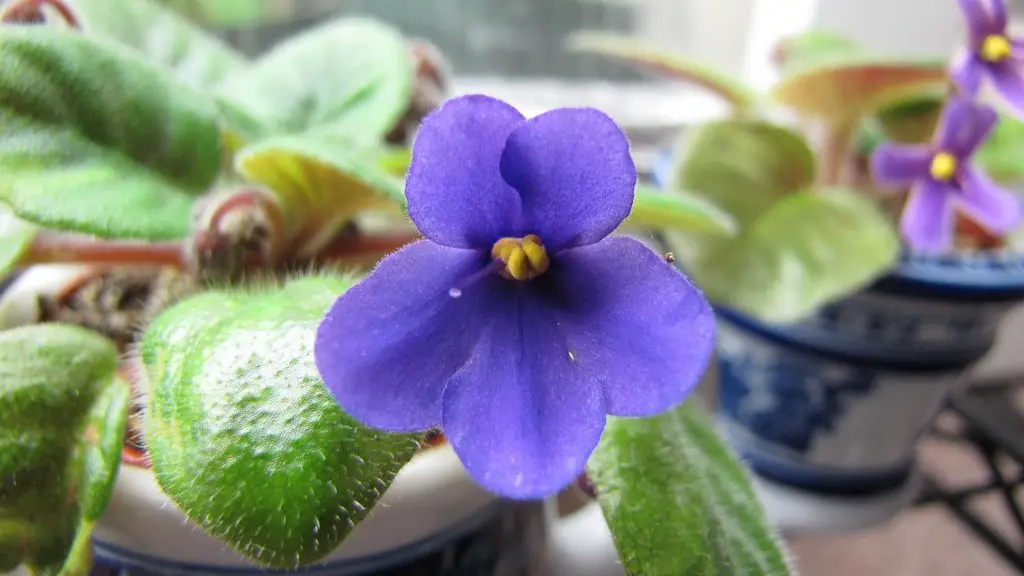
column 805, row 170
column 227, row 211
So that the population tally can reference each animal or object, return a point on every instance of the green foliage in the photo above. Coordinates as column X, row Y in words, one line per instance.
column 62, row 421
column 655, row 209
column 94, row 139
column 15, row 238
column 816, row 48
column 678, row 502
column 1002, row 154
column 242, row 433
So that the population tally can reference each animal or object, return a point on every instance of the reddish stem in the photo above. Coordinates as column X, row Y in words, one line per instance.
column 366, row 248
column 836, row 153
column 50, row 248
column 31, row 11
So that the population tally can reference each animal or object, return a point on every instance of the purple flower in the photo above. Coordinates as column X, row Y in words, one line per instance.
column 943, row 180
column 518, row 324
column 990, row 51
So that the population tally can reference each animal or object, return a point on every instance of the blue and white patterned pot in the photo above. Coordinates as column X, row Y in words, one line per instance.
column 836, row 403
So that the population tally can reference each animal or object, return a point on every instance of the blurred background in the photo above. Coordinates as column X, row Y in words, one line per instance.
column 515, row 50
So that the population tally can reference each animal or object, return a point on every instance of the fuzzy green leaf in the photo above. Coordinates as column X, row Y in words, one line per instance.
column 15, row 238
column 657, row 209
column 678, row 502
column 842, row 90
column 322, row 180
column 743, row 166
column 1002, row 153
column 62, row 420
column 197, row 58
column 732, row 90
column 240, row 424
column 807, row 250
column 816, row 48
column 93, row 139
column 351, row 75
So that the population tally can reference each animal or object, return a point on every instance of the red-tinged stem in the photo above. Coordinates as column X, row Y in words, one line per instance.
column 364, row 248
column 31, row 11
column 835, row 154
column 51, row 248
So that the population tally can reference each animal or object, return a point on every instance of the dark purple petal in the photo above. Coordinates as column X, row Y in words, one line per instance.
column 966, row 72
column 963, row 126
column 998, row 210
column 388, row 345
column 635, row 325
column 573, row 170
column 1008, row 80
column 998, row 18
column 894, row 165
column 521, row 416
column 978, row 20
column 927, row 222
column 455, row 191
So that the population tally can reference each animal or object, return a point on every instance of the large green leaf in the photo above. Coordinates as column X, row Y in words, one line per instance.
column 94, row 139
column 816, row 48
column 165, row 38
column 240, row 424
column 350, row 75
column 62, row 422
column 809, row 249
column 15, row 239
column 841, row 90
column 322, row 180
column 740, row 96
column 657, row 209
column 743, row 166
column 1002, row 153
column 678, row 502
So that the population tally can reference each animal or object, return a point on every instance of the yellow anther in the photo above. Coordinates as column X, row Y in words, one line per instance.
column 995, row 48
column 524, row 258
column 943, row 166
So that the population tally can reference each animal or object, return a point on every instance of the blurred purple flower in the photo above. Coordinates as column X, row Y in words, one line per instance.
column 943, row 180
column 516, row 325
column 990, row 51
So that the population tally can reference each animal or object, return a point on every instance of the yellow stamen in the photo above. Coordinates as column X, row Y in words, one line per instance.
column 524, row 258
column 943, row 166
column 995, row 48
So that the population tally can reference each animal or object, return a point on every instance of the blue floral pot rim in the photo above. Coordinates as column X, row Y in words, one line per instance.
column 990, row 274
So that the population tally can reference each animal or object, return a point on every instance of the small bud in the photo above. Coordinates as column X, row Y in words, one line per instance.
column 235, row 232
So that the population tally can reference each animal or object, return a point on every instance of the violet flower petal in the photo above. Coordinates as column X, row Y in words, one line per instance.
column 522, row 418
column 927, row 221
column 894, row 165
column 963, row 126
column 455, row 192
column 388, row 345
column 998, row 16
column 998, row 210
column 979, row 22
column 636, row 325
column 966, row 72
column 575, row 175
column 1008, row 80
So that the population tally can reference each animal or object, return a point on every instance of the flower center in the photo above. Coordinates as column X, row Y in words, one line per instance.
column 524, row 258
column 943, row 166
column 995, row 48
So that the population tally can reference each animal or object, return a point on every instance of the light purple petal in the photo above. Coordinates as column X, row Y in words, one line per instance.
column 455, row 191
column 388, row 345
column 894, row 165
column 963, row 126
column 979, row 22
column 998, row 16
column 996, row 209
column 966, row 72
column 573, row 170
column 521, row 416
column 634, row 324
column 927, row 222
column 1008, row 80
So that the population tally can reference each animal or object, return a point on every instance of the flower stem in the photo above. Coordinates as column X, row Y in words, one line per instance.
column 360, row 248
column 50, row 248
column 31, row 12
column 835, row 154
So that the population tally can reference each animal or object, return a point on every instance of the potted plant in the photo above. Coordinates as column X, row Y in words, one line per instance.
column 200, row 377
column 847, row 312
